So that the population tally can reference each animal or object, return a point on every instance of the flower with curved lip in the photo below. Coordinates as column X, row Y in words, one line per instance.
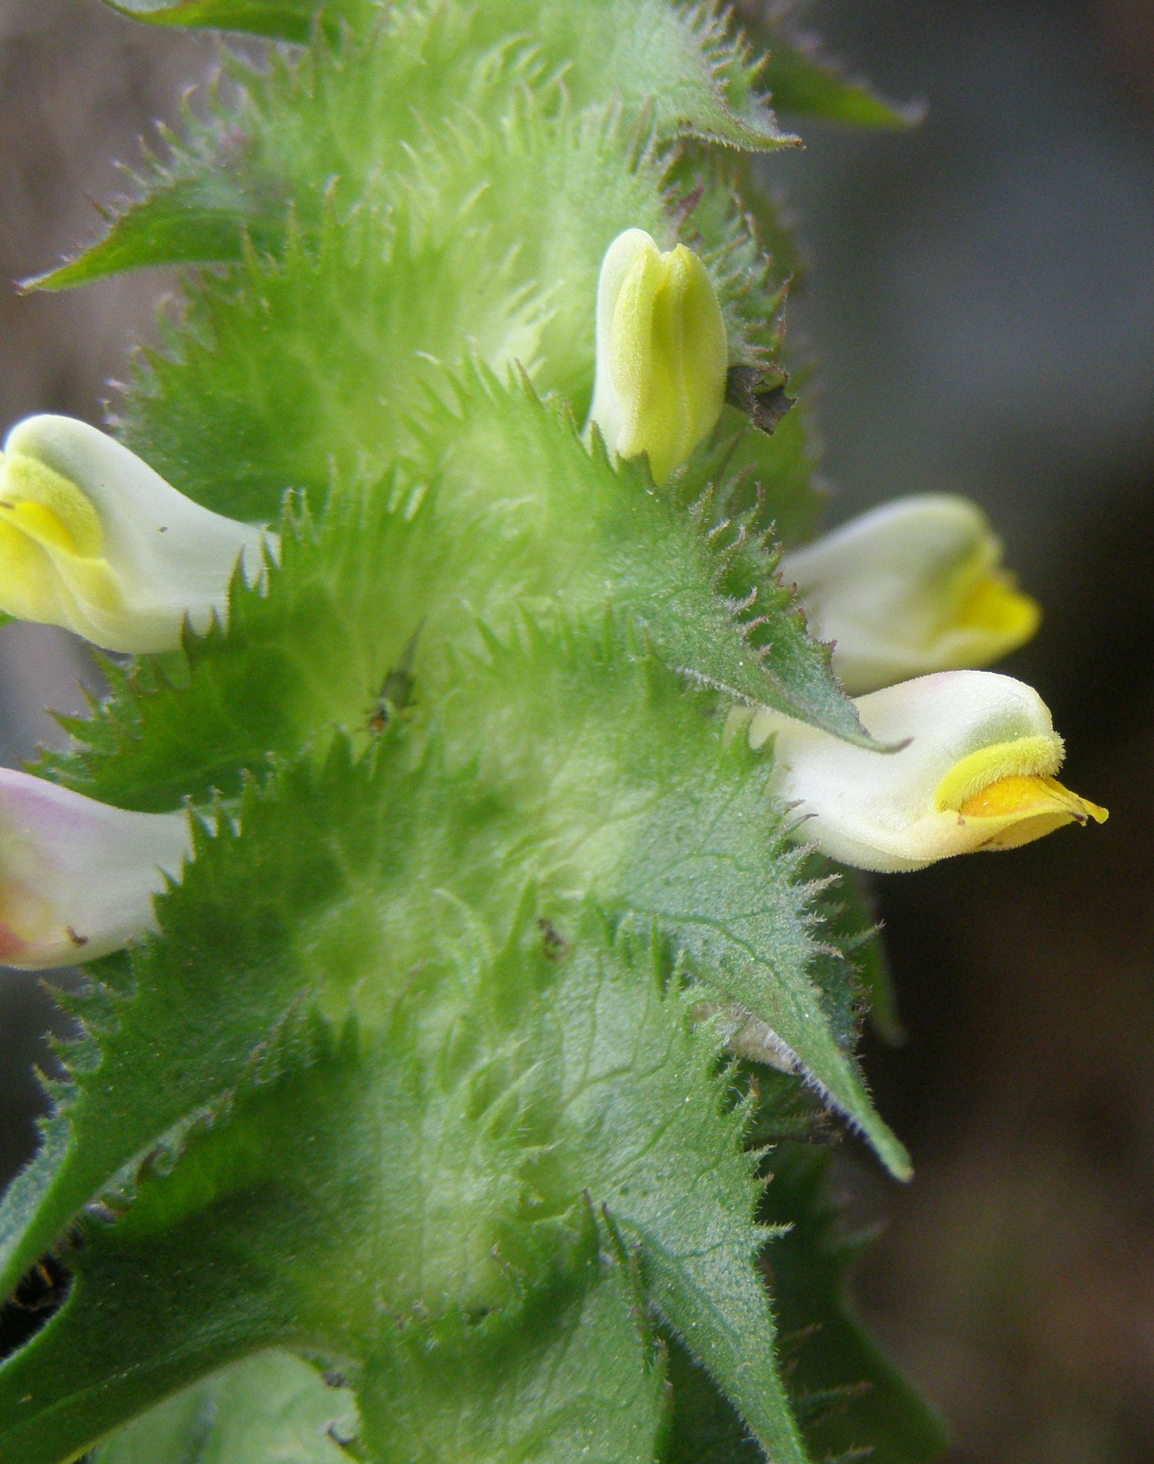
column 93, row 540
column 77, row 876
column 661, row 352
column 977, row 772
column 912, row 587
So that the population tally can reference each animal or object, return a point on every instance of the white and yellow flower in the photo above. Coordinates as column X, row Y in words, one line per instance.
column 661, row 352
column 77, row 876
column 976, row 771
column 912, row 587
column 92, row 539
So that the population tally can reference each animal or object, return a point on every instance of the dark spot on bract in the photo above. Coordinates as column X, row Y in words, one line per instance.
column 554, row 943
column 760, row 394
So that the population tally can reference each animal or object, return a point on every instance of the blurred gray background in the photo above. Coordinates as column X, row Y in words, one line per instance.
column 979, row 293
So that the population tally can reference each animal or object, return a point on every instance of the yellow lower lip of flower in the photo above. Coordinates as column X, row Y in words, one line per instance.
column 994, row 607
column 1026, row 808
column 51, row 545
column 37, row 522
column 49, row 509
column 25, row 921
column 43, row 581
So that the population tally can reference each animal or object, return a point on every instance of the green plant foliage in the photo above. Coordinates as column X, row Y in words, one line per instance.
column 458, row 1168
column 382, row 77
column 344, row 873
column 268, row 687
column 427, row 1082
column 850, row 1402
column 847, row 1394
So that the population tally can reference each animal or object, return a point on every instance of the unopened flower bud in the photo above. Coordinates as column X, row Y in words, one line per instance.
column 93, row 540
column 977, row 772
column 77, row 876
column 912, row 587
column 661, row 352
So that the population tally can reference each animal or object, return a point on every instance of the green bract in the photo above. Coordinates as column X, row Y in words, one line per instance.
column 412, row 1135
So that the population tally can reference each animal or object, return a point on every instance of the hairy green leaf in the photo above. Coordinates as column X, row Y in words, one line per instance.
column 577, row 1380
column 801, row 79
column 850, row 1401
column 289, row 20
column 669, row 70
column 459, row 542
column 441, row 1070
column 202, row 219
column 271, row 1408
column 460, row 1164
column 848, row 1392
column 334, row 863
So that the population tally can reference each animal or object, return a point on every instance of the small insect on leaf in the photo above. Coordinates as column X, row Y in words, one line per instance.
column 396, row 693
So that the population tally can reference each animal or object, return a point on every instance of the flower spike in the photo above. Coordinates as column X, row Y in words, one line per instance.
column 977, row 772
column 93, row 540
column 661, row 352
column 909, row 588
column 77, row 877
